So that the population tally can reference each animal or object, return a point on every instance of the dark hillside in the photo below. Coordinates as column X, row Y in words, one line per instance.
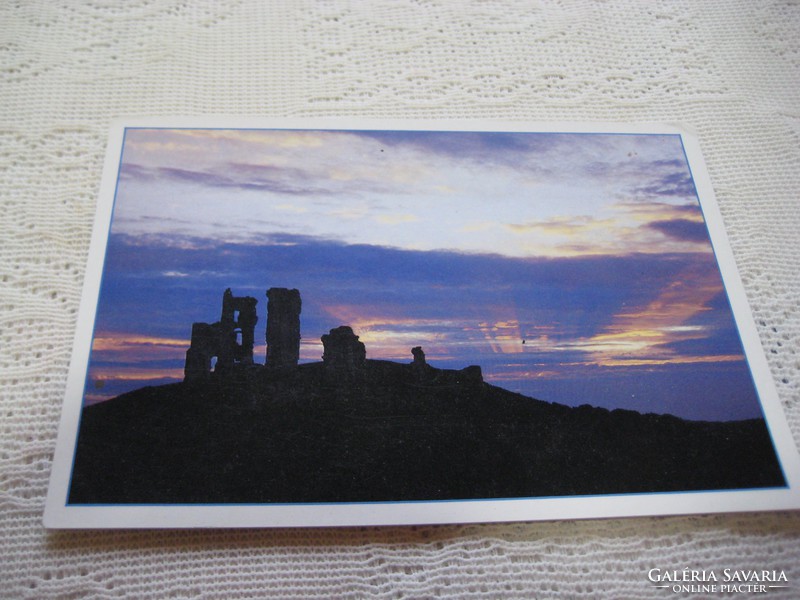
column 258, row 436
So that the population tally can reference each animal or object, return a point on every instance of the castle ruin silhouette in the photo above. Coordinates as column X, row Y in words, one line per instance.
column 230, row 341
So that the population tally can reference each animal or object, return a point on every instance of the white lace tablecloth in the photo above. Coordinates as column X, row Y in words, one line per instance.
column 729, row 71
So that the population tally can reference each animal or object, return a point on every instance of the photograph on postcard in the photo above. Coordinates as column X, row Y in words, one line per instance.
column 291, row 316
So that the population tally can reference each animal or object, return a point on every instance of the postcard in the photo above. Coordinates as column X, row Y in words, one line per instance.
column 325, row 323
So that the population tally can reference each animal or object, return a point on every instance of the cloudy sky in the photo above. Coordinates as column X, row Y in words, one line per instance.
column 589, row 248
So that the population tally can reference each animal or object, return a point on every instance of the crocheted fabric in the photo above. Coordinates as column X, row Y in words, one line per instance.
column 728, row 70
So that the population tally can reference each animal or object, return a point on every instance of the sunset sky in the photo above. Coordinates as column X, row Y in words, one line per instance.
column 590, row 248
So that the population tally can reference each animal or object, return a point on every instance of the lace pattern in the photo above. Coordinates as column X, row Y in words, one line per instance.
column 728, row 70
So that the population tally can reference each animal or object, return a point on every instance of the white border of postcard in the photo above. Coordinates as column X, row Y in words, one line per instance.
column 60, row 515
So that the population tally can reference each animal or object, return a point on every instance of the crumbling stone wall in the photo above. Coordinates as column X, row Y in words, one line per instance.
column 344, row 356
column 238, row 318
column 204, row 347
column 230, row 340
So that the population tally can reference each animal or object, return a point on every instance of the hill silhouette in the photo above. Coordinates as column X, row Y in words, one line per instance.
column 256, row 436
column 348, row 429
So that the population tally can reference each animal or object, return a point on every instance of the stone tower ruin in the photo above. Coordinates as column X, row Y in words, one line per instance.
column 345, row 356
column 283, row 328
column 229, row 340
column 238, row 323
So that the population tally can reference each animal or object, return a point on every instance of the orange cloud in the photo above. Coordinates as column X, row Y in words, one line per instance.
column 626, row 228
column 522, row 375
column 503, row 336
column 673, row 360
column 648, row 212
column 117, row 373
column 111, row 342
column 641, row 337
column 563, row 226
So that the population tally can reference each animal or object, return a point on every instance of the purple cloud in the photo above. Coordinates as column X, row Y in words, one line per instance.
column 681, row 229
